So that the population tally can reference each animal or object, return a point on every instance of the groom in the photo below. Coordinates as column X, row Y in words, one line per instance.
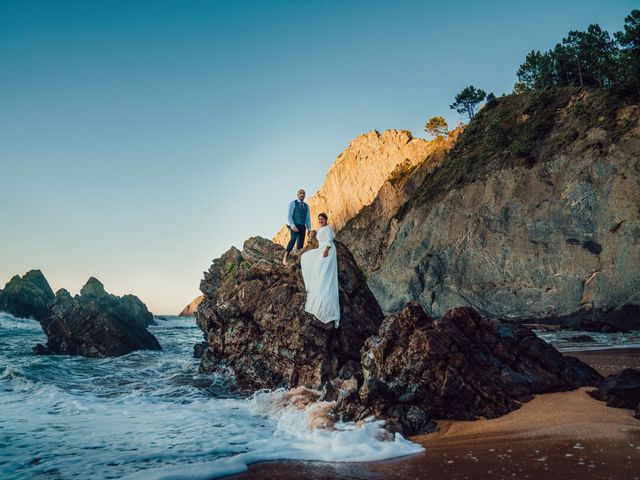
column 298, row 221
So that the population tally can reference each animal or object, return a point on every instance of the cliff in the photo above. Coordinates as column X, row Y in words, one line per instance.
column 533, row 213
column 356, row 176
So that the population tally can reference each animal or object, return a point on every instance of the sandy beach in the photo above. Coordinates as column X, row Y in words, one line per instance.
column 553, row 436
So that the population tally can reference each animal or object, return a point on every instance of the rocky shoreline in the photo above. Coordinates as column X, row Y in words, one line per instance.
column 407, row 368
column 554, row 436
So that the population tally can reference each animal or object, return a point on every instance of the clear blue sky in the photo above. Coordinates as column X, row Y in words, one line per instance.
column 141, row 139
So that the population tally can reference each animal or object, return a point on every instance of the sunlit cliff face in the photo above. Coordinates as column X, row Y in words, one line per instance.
column 355, row 178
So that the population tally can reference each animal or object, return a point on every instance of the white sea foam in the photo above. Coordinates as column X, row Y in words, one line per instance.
column 304, row 430
column 150, row 414
column 173, row 322
column 9, row 322
column 563, row 341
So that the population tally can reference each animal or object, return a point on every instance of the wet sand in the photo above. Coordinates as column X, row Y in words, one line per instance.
column 554, row 436
column 610, row 361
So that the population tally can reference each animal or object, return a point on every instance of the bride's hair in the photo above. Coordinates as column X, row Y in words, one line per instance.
column 323, row 215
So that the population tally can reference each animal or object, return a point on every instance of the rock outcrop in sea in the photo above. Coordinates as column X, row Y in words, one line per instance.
column 407, row 367
column 27, row 296
column 191, row 309
column 96, row 324
column 253, row 320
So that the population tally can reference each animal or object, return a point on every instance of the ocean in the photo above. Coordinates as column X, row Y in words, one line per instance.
column 151, row 415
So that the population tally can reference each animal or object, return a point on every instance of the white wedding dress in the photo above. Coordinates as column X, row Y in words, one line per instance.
column 320, row 275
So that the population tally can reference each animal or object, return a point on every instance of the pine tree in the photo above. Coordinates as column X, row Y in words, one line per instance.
column 629, row 40
column 436, row 126
column 467, row 101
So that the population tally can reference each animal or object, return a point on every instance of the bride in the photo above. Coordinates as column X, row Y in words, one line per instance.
column 320, row 275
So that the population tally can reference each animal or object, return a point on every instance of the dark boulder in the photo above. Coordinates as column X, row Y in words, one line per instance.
column 199, row 349
column 27, row 296
column 96, row 324
column 460, row 366
column 40, row 349
column 581, row 339
column 253, row 319
column 621, row 390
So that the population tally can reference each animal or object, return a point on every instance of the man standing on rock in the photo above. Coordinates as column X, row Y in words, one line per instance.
column 298, row 221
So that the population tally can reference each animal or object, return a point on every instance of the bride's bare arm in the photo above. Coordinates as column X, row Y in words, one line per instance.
column 326, row 251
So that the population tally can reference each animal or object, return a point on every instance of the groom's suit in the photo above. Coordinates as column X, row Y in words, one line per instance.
column 299, row 216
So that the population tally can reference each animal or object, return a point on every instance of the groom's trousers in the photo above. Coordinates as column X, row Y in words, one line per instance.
column 297, row 236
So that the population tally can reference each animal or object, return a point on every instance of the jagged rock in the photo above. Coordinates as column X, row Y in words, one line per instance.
column 93, row 289
column 533, row 214
column 253, row 319
column 136, row 309
column 27, row 296
column 96, row 324
column 190, row 310
column 461, row 366
column 40, row 349
column 621, row 390
column 198, row 349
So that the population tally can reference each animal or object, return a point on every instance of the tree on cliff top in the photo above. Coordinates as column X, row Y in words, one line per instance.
column 629, row 41
column 588, row 58
column 467, row 101
column 436, row 126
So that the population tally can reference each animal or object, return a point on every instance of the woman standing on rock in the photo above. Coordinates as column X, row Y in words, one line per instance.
column 320, row 275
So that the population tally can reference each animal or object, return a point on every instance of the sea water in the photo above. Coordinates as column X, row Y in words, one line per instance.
column 151, row 415
column 562, row 340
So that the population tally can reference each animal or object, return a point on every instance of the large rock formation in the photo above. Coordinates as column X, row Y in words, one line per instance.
column 461, row 366
column 356, row 176
column 96, row 324
column 253, row 319
column 28, row 296
column 407, row 368
column 191, row 309
column 532, row 215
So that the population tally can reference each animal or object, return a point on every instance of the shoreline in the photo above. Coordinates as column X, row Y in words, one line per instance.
column 552, row 436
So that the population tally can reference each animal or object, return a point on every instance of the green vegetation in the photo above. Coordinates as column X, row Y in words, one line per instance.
column 587, row 59
column 402, row 171
column 436, row 126
column 364, row 276
column 583, row 82
column 516, row 130
column 468, row 100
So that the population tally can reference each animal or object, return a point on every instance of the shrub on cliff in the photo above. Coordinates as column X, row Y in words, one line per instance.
column 516, row 130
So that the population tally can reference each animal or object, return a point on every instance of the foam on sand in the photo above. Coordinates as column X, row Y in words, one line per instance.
column 304, row 430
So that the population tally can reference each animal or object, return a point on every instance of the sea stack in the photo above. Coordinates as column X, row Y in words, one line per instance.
column 96, row 324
